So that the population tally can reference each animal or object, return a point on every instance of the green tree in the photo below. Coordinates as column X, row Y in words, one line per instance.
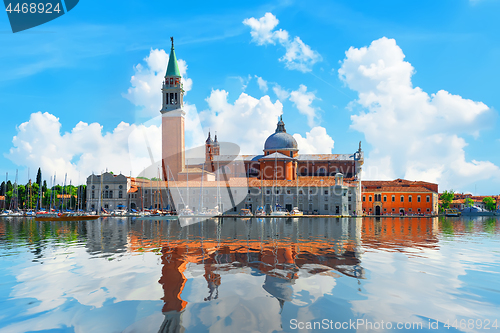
column 44, row 187
column 3, row 189
column 469, row 202
column 39, row 177
column 447, row 198
column 490, row 203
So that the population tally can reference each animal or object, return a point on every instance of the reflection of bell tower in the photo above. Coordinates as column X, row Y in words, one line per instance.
column 172, row 118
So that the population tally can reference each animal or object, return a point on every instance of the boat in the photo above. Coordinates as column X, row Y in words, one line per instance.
column 451, row 212
column 296, row 212
column 476, row 211
column 44, row 216
column 119, row 212
column 260, row 212
column 279, row 211
column 245, row 212
column 186, row 212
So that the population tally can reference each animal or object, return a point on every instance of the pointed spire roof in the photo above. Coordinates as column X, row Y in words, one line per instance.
column 281, row 126
column 209, row 139
column 173, row 67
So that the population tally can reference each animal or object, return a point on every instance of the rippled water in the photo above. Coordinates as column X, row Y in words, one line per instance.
column 236, row 275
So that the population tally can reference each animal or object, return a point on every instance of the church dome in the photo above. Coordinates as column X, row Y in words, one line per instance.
column 280, row 139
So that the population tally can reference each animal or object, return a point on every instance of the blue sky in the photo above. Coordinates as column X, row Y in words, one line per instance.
column 78, row 68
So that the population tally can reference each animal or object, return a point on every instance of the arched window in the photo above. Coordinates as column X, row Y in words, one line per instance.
column 110, row 194
column 120, row 194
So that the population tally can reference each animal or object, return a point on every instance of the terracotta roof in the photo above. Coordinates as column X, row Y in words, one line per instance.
column 396, row 182
column 195, row 171
column 414, row 189
column 254, row 182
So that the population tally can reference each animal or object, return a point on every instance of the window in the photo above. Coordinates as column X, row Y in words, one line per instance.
column 409, row 209
column 120, row 187
column 300, row 192
column 349, row 198
column 364, row 198
column 93, row 186
column 106, row 206
column 120, row 194
column 385, row 209
column 409, row 198
column 105, row 194
column 337, row 209
column 350, row 206
column 418, row 210
column 393, row 198
column 326, row 206
column 93, row 195
column 418, row 198
column 428, row 198
column 326, row 198
column 268, row 192
column 370, row 198
column 146, row 192
column 106, row 187
column 288, row 192
column 110, row 194
column 248, row 191
column 402, row 198
column 326, row 192
column 393, row 210
column 428, row 210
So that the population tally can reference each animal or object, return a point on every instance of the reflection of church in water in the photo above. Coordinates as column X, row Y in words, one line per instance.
column 283, row 251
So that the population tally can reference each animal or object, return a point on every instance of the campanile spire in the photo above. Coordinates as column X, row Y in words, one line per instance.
column 172, row 118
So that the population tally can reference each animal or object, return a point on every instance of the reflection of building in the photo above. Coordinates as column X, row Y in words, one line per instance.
column 399, row 197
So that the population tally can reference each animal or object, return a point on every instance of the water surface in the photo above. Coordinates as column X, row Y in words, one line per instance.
column 249, row 275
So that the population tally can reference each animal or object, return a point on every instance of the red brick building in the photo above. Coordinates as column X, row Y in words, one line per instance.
column 398, row 197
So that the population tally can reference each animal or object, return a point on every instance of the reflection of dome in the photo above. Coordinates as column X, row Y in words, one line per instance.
column 280, row 139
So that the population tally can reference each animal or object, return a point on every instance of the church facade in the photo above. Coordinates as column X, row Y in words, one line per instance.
column 328, row 184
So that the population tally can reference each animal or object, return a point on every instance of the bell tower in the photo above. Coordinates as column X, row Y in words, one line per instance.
column 172, row 122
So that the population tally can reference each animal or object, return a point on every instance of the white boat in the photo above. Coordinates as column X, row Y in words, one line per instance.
column 186, row 212
column 260, row 212
column 476, row 211
column 296, row 212
column 119, row 212
column 279, row 211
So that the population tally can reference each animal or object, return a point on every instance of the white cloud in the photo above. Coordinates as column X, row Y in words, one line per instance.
column 262, row 29
column 280, row 92
column 317, row 141
column 85, row 149
column 248, row 122
column 298, row 55
column 145, row 90
column 303, row 100
column 262, row 84
column 415, row 135
column 145, row 93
